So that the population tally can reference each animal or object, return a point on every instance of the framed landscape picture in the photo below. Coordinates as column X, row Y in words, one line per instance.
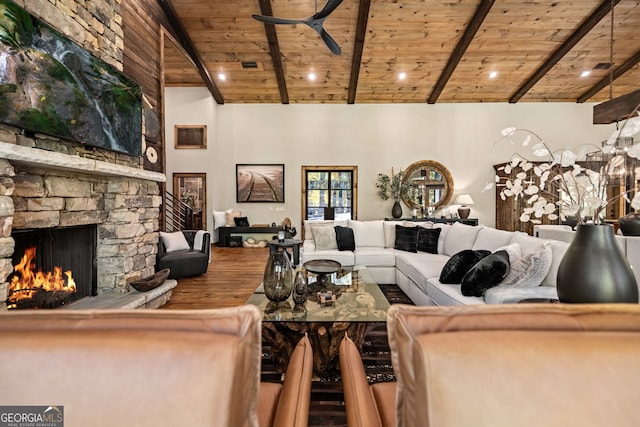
column 191, row 136
column 260, row 183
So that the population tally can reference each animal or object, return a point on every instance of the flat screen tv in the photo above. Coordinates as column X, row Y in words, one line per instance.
column 49, row 84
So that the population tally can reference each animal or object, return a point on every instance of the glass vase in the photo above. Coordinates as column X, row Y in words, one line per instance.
column 278, row 277
column 594, row 269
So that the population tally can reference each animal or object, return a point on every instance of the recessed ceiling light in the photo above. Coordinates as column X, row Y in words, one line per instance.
column 585, row 73
column 402, row 75
column 493, row 74
column 222, row 76
column 312, row 76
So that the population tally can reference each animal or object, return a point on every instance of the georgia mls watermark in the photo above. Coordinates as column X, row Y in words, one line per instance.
column 31, row 416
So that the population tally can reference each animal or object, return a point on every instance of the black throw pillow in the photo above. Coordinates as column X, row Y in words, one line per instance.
column 459, row 264
column 241, row 221
column 344, row 238
column 428, row 239
column 487, row 273
column 406, row 238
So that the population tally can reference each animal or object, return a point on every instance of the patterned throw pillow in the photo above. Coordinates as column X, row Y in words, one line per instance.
column 530, row 270
column 324, row 237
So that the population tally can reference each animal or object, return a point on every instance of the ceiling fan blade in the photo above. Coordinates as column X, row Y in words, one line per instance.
column 327, row 9
column 274, row 20
column 330, row 42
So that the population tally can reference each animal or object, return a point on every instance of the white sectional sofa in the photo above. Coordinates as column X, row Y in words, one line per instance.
column 417, row 274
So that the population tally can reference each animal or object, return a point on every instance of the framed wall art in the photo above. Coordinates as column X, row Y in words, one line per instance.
column 191, row 189
column 260, row 183
column 190, row 136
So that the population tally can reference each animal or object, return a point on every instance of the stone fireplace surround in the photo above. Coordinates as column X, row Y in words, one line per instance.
column 46, row 189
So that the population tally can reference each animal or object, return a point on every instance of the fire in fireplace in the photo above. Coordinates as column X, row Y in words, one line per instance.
column 52, row 267
column 30, row 288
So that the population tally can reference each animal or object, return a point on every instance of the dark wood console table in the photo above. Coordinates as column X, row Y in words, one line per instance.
column 468, row 221
column 226, row 232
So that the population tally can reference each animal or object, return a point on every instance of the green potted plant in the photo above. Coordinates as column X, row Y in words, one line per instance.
column 393, row 187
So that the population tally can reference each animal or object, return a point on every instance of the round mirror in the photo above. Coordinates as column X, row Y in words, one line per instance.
column 430, row 185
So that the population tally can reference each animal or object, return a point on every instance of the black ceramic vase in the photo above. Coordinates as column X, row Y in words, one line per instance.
column 630, row 224
column 396, row 211
column 594, row 269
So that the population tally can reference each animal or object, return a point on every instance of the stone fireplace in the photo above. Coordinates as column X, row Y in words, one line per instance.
column 42, row 189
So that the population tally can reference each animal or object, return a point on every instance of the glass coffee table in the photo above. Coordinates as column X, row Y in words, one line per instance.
column 359, row 304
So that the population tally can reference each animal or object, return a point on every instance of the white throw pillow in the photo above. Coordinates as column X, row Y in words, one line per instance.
column 513, row 250
column 220, row 219
column 325, row 237
column 368, row 233
column 530, row 270
column 174, row 241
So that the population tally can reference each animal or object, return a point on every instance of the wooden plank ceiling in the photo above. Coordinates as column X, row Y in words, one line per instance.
column 447, row 50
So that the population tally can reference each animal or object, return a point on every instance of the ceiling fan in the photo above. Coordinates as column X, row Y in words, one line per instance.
column 315, row 21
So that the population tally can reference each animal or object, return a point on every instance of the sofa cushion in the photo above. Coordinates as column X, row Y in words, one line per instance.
column 530, row 270
column 511, row 295
column 389, row 234
column 325, row 237
column 368, row 233
column 174, row 241
column 406, row 238
column 445, row 294
column 459, row 264
column 488, row 272
column 444, row 230
column 344, row 238
column 420, row 266
column 491, row 239
column 459, row 237
column 428, row 239
column 374, row 257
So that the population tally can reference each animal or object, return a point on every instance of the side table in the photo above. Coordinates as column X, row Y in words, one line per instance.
column 277, row 245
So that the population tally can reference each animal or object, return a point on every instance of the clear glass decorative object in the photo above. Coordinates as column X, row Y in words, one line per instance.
column 278, row 277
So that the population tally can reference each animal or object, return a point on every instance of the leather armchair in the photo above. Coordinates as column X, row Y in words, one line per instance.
column 516, row 365
column 365, row 405
column 185, row 263
column 149, row 368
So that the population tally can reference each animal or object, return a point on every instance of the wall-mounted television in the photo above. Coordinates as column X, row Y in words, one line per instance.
column 49, row 84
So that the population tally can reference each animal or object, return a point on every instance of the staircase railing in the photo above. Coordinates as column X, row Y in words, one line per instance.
column 177, row 214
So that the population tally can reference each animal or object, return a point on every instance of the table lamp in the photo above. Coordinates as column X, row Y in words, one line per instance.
column 463, row 200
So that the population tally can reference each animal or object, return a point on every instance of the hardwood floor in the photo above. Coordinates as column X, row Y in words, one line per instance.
column 233, row 275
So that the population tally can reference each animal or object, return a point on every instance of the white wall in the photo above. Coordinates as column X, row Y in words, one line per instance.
column 373, row 137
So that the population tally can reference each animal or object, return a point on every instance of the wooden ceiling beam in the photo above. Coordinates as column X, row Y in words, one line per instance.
column 463, row 44
column 564, row 48
column 626, row 66
column 617, row 109
column 183, row 38
column 358, row 47
column 274, row 50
